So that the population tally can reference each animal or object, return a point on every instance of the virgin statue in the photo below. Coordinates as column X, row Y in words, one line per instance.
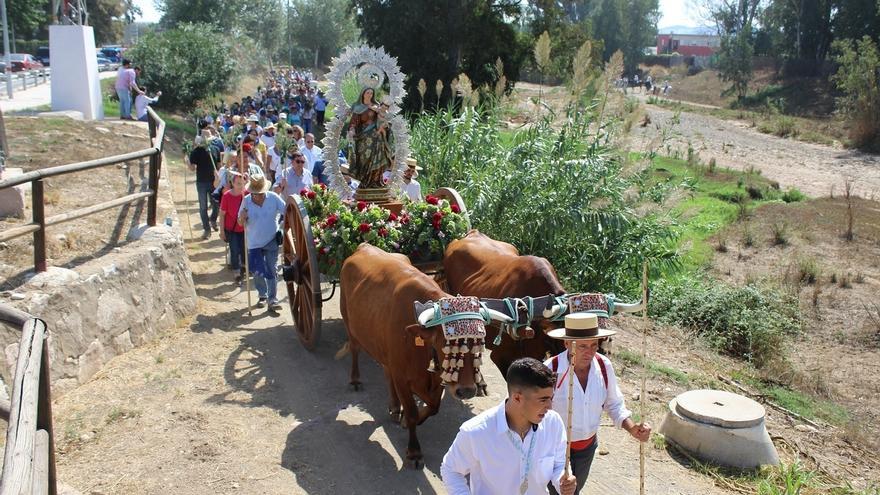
column 368, row 137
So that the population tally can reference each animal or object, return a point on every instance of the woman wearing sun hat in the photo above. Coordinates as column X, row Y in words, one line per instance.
column 585, row 386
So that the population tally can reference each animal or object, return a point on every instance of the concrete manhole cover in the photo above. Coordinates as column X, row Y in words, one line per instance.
column 720, row 408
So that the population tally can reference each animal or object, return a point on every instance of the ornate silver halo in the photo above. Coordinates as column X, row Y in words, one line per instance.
column 370, row 76
column 371, row 60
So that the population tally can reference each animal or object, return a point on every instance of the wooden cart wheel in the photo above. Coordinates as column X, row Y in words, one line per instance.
column 454, row 198
column 301, row 273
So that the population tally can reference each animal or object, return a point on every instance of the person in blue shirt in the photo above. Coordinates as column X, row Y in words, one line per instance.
column 259, row 214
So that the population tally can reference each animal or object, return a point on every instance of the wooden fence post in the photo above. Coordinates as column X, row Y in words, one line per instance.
column 39, row 216
column 152, row 205
column 44, row 412
column 4, row 144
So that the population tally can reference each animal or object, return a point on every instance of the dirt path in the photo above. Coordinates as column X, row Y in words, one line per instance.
column 812, row 168
column 228, row 403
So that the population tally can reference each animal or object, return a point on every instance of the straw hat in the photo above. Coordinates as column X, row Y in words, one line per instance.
column 343, row 167
column 258, row 185
column 412, row 163
column 580, row 326
column 253, row 118
column 270, row 126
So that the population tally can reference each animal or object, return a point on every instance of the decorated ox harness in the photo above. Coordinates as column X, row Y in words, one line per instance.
column 522, row 311
column 464, row 322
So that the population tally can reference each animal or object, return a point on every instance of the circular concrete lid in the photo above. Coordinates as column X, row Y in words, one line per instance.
column 719, row 408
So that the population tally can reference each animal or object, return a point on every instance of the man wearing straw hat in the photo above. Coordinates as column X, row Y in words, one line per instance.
column 411, row 186
column 585, row 386
column 259, row 213
column 517, row 447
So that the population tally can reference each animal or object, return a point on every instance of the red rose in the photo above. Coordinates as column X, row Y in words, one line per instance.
column 392, row 217
column 303, row 192
column 323, row 187
column 436, row 224
column 438, row 215
column 361, row 205
column 404, row 219
column 431, row 200
column 331, row 220
column 311, row 194
column 364, row 227
column 383, row 232
column 455, row 209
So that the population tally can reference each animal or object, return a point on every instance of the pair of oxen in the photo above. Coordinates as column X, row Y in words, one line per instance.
column 521, row 294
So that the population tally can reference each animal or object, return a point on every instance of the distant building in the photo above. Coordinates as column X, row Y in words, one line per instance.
column 699, row 45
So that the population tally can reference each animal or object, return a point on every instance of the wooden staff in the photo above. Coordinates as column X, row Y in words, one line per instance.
column 570, row 401
column 247, row 268
column 644, row 373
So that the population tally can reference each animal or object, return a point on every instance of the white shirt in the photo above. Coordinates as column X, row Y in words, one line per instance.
column 140, row 104
column 274, row 159
column 311, row 155
column 587, row 406
column 484, row 449
column 412, row 190
column 268, row 140
column 295, row 183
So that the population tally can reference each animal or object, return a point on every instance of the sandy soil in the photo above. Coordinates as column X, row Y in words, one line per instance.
column 812, row 168
column 38, row 143
column 230, row 403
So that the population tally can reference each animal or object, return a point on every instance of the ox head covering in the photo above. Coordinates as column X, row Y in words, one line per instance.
column 462, row 336
column 598, row 304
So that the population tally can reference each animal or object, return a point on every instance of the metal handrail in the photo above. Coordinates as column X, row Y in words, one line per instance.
column 29, row 458
column 39, row 222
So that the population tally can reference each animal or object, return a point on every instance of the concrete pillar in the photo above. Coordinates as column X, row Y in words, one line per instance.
column 75, row 83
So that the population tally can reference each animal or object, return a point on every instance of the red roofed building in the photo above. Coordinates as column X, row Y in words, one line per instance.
column 698, row 45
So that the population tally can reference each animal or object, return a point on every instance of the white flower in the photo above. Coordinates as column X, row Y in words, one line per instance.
column 440, row 234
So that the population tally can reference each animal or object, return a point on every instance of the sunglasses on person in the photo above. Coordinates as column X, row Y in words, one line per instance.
column 301, row 160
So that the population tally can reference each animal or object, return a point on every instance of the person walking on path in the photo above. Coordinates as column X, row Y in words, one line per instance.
column 259, row 214
column 232, row 232
column 517, row 447
column 202, row 162
column 594, row 389
column 125, row 83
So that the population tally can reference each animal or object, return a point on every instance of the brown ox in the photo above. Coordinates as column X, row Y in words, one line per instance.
column 477, row 265
column 378, row 291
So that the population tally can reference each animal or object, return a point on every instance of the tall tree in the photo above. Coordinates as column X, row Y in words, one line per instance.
column 106, row 17
column 440, row 39
column 323, row 27
column 735, row 21
column 27, row 17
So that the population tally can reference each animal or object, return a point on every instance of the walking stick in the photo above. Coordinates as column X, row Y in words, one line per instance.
column 247, row 269
column 644, row 373
column 570, row 398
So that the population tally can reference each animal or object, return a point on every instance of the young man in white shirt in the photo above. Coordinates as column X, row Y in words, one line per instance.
column 294, row 178
column 517, row 447
column 594, row 389
column 140, row 104
column 411, row 186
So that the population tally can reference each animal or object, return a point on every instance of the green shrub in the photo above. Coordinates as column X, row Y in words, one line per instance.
column 556, row 191
column 189, row 63
column 858, row 77
column 793, row 195
column 745, row 322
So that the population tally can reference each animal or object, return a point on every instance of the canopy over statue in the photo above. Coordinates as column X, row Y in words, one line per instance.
column 369, row 129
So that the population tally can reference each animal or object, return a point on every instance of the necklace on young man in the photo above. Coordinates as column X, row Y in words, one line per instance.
column 525, row 456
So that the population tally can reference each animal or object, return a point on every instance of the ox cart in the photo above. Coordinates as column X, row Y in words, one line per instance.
column 306, row 285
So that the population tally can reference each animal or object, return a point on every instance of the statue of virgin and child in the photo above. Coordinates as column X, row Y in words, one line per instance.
column 368, row 132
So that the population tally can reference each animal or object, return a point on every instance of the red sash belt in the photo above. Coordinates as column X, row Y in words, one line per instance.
column 583, row 444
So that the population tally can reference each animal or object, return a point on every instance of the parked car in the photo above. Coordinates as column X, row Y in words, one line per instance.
column 104, row 63
column 24, row 61
column 112, row 53
column 43, row 55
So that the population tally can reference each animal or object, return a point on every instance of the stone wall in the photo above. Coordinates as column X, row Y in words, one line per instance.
column 108, row 305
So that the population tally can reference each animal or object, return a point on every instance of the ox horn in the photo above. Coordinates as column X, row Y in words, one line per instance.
column 628, row 308
column 553, row 310
column 427, row 314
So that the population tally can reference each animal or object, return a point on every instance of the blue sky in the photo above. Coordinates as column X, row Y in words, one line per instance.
column 673, row 12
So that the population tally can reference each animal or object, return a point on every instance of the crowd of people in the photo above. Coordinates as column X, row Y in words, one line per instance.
column 251, row 155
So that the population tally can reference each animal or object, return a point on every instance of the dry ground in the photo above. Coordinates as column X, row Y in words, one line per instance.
column 37, row 143
column 231, row 403
column 837, row 281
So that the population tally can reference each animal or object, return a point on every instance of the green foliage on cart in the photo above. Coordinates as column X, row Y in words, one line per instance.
column 421, row 231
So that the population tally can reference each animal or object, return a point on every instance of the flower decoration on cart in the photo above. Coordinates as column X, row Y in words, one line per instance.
column 421, row 230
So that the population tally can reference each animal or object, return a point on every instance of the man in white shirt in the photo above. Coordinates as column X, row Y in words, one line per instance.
column 293, row 179
column 517, row 447
column 411, row 186
column 594, row 389
column 268, row 136
column 311, row 152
